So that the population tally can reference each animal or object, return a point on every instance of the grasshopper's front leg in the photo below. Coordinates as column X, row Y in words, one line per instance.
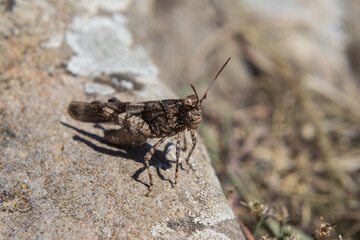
column 178, row 147
column 194, row 141
column 177, row 158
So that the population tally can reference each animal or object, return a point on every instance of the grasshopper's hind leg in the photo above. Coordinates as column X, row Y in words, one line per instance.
column 122, row 137
column 147, row 160
column 134, row 130
column 151, row 152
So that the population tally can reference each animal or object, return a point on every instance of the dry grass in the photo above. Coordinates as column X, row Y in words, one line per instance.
column 290, row 144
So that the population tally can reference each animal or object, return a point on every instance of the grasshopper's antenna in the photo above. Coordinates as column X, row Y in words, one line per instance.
column 197, row 96
column 222, row 68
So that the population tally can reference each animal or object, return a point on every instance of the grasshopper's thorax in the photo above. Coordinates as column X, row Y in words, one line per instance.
column 193, row 116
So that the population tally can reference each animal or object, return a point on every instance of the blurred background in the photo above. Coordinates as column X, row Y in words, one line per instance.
column 282, row 121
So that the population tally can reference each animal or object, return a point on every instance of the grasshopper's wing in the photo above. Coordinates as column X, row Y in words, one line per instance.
column 93, row 112
column 97, row 112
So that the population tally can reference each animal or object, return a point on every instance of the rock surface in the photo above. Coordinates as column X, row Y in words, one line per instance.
column 58, row 178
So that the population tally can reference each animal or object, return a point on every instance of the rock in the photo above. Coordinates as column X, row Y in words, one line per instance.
column 60, row 179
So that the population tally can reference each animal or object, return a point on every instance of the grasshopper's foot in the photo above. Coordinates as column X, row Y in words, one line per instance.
column 149, row 191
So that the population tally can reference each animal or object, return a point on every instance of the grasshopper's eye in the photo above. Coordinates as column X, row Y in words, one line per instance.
column 188, row 101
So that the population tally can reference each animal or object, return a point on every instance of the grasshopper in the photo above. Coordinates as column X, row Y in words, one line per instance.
column 139, row 121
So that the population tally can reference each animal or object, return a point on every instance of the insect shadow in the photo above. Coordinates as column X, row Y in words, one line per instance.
column 136, row 153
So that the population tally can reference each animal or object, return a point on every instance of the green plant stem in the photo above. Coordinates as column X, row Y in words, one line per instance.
column 258, row 225
column 281, row 230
